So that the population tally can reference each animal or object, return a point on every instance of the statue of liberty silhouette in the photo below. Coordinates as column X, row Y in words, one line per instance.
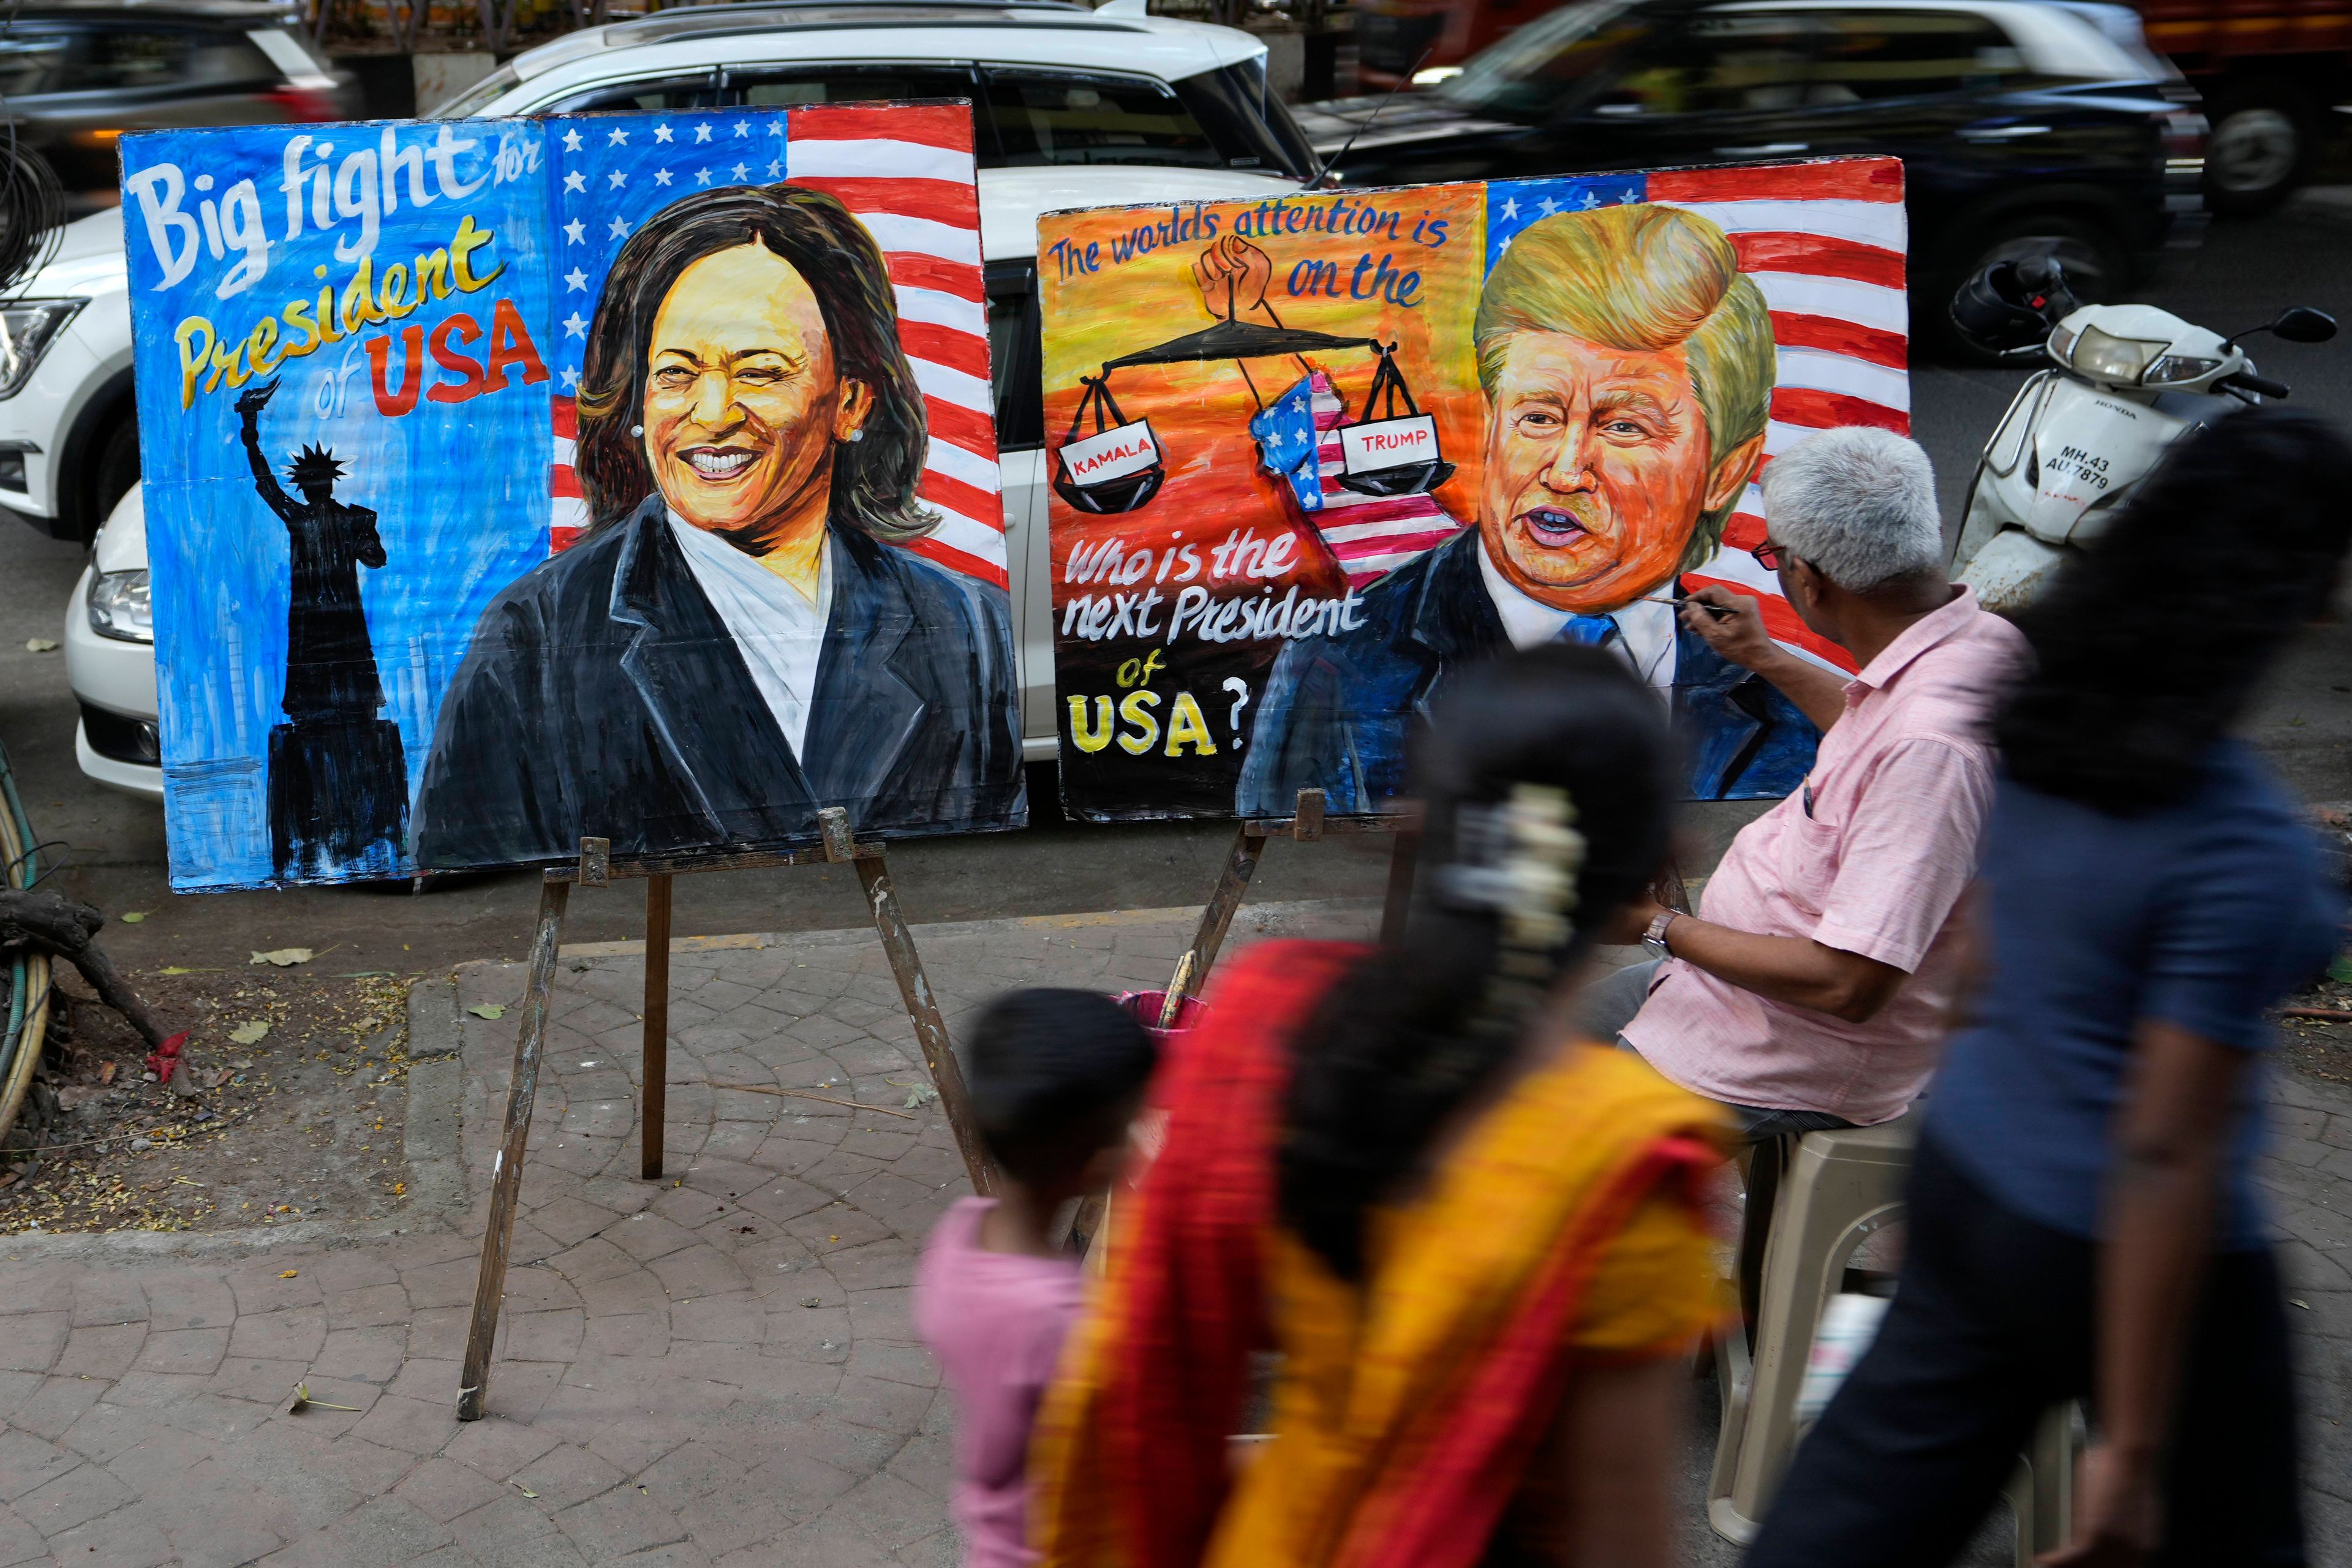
column 338, row 778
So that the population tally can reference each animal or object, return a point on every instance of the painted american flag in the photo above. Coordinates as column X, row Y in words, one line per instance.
column 905, row 170
column 1298, row 440
column 1825, row 241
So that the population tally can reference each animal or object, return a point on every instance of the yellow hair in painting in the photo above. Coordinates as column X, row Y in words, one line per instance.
column 1647, row 277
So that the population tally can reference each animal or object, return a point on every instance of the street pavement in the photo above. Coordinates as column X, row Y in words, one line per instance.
column 717, row 1368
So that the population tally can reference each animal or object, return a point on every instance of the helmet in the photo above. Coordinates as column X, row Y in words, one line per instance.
column 2013, row 304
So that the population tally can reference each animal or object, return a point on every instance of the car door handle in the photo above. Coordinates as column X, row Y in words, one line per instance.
column 1764, row 149
column 2001, row 133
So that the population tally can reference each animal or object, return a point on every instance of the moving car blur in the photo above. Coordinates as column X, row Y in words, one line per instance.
column 2269, row 74
column 2024, row 130
column 77, row 74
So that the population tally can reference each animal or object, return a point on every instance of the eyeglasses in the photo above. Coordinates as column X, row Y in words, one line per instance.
column 1772, row 556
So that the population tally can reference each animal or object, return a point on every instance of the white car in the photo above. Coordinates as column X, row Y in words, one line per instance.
column 1073, row 109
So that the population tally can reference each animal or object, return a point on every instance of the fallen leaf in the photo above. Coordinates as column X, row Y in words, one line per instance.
column 920, row 1095
column 284, row 957
column 290, row 1274
column 132, row 917
column 811, row 1301
column 522, row 1488
column 2292, row 1303
column 106, row 1073
column 184, row 969
column 40, row 644
column 247, row 1033
column 302, row 1400
column 491, row 1010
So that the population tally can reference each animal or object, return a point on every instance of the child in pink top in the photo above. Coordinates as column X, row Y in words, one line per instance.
column 1055, row 1075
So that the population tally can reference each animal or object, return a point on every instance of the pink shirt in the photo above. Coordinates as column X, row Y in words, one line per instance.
column 1876, row 867
column 996, row 1321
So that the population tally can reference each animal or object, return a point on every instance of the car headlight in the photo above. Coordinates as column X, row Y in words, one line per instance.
column 28, row 328
column 2105, row 357
column 119, row 607
column 2174, row 369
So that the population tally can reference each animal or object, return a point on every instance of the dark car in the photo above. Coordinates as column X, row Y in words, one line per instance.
column 76, row 77
column 2021, row 128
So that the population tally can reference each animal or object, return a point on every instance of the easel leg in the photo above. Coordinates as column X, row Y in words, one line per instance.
column 506, row 1179
column 1404, row 860
column 930, row 1029
column 657, row 1048
column 1232, row 883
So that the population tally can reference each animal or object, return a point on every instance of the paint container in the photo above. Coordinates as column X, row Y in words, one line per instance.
column 1145, row 1007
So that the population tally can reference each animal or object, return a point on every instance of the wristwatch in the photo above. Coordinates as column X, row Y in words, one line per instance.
column 1654, row 940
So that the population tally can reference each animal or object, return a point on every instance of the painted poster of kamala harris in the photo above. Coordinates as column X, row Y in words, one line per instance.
column 738, row 638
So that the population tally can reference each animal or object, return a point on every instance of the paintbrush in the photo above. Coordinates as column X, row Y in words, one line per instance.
column 1709, row 605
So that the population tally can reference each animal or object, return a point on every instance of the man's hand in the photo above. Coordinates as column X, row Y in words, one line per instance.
column 1631, row 921
column 254, row 399
column 1735, row 629
column 2115, row 1521
column 1233, row 275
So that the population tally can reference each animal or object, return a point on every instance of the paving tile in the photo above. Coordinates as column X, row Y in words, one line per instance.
column 19, row 1541
column 77, row 1497
column 291, row 1333
column 34, row 1341
column 411, row 1426
column 128, row 1539
column 102, row 1350
column 621, row 1522
column 513, row 1534
column 566, row 1474
column 51, row 1409
column 383, row 1533
column 27, row 1462
column 444, row 1489
column 496, row 1446
column 183, row 1350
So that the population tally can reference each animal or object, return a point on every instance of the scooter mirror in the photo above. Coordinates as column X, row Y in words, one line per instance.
column 2302, row 324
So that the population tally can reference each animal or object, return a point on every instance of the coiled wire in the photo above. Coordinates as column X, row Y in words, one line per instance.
column 32, row 202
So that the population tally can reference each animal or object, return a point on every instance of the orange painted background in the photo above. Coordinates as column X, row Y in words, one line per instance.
column 1201, row 412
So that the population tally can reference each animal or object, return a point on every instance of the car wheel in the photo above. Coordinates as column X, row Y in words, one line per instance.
column 2258, row 147
column 112, row 473
column 2096, row 269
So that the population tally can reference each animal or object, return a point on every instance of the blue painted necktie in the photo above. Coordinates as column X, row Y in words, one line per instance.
column 1589, row 631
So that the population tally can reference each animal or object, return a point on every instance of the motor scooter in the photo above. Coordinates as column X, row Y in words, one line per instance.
column 2124, row 384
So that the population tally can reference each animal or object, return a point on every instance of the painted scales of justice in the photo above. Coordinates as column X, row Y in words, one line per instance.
column 1388, row 455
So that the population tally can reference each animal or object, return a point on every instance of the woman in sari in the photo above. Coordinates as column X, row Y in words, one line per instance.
column 1473, row 1237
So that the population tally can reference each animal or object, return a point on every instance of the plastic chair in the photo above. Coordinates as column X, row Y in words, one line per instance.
column 1836, row 1191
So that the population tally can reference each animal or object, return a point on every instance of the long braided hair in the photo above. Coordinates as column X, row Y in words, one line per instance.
column 1546, row 784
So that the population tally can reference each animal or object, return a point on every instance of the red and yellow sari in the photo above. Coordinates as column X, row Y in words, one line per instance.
column 1565, row 1223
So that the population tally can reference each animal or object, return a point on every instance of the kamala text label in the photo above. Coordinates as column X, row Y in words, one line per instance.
column 509, row 482
column 1390, row 432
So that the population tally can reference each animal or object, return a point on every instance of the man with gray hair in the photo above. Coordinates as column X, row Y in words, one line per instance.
column 1811, row 988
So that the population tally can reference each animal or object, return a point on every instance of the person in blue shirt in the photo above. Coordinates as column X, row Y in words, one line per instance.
column 2084, row 1220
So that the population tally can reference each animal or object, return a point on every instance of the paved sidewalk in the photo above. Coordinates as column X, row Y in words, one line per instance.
column 715, row 1369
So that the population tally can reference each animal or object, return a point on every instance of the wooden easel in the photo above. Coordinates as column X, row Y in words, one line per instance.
column 598, row 869
column 1309, row 823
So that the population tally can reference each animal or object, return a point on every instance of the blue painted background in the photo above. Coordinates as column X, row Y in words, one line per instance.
column 459, row 489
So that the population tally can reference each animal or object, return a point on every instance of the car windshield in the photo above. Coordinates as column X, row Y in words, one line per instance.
column 477, row 97
column 1523, row 76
